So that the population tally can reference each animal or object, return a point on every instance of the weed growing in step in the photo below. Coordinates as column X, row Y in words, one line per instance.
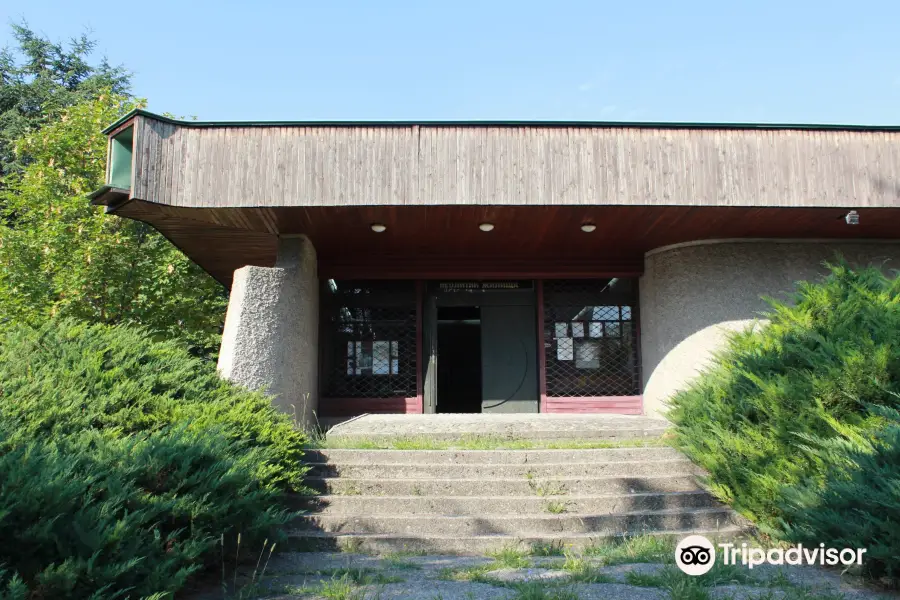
column 350, row 545
column 351, row 489
column 546, row 488
column 510, row 557
column 554, row 548
column 556, row 507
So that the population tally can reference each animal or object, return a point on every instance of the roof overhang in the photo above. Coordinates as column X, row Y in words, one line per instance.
column 223, row 192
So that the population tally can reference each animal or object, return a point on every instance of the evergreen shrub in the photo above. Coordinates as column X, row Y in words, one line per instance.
column 123, row 461
column 825, row 366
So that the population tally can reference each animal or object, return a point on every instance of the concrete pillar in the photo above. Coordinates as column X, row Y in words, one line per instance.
column 270, row 341
column 692, row 295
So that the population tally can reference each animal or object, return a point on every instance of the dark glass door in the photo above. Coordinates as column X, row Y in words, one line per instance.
column 509, row 378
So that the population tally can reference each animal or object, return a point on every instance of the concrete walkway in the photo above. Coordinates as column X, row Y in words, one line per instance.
column 325, row 576
column 512, row 426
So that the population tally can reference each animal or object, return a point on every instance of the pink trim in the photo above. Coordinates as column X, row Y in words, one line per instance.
column 622, row 405
column 420, row 381
column 542, row 351
column 351, row 407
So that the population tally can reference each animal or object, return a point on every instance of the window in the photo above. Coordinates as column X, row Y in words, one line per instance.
column 590, row 338
column 121, row 149
column 368, row 339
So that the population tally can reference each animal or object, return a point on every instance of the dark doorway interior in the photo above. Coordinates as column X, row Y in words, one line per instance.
column 459, row 359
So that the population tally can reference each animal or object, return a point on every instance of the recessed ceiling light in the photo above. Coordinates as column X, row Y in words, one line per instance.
column 378, row 227
column 486, row 226
column 588, row 227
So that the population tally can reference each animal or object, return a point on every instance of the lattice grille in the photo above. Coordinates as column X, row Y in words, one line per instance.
column 369, row 339
column 590, row 338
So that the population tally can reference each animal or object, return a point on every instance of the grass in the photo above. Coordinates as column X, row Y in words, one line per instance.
column 473, row 574
column 539, row 591
column 396, row 561
column 554, row 548
column 340, row 589
column 581, row 570
column 510, row 557
column 358, row 575
column 475, row 443
column 636, row 549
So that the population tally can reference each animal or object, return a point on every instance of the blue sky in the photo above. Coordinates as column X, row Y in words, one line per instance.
column 808, row 61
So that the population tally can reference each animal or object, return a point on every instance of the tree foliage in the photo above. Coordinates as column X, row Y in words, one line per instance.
column 61, row 256
column 39, row 79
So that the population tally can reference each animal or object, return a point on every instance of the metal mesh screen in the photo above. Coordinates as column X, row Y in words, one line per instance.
column 369, row 339
column 590, row 338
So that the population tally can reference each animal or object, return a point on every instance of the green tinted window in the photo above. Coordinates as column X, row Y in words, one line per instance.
column 120, row 159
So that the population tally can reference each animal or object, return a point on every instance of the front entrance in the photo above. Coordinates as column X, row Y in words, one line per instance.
column 481, row 348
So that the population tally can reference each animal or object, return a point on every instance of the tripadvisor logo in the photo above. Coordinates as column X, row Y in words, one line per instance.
column 696, row 555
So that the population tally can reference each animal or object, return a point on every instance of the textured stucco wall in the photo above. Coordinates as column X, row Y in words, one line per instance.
column 691, row 295
column 270, row 340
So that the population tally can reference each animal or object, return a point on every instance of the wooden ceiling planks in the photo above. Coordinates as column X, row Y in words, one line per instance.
column 535, row 240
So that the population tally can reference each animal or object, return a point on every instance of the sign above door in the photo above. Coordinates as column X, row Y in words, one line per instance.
column 484, row 286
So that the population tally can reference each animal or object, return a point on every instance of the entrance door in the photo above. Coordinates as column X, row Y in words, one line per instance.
column 509, row 359
column 459, row 371
column 481, row 350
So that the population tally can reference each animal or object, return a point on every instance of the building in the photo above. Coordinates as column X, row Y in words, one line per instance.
column 498, row 267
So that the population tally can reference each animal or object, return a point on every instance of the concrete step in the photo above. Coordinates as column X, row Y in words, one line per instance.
column 633, row 468
column 611, row 434
column 500, row 426
column 508, row 457
column 515, row 486
column 520, row 525
column 510, row 505
column 479, row 545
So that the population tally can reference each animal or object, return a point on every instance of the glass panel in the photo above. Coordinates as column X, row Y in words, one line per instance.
column 587, row 354
column 395, row 358
column 597, row 356
column 381, row 358
column 368, row 339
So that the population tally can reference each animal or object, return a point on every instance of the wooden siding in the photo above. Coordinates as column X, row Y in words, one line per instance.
column 282, row 166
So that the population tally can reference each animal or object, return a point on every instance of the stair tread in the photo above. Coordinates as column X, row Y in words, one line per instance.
column 641, row 461
column 508, row 498
column 554, row 536
column 496, row 479
column 568, row 515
